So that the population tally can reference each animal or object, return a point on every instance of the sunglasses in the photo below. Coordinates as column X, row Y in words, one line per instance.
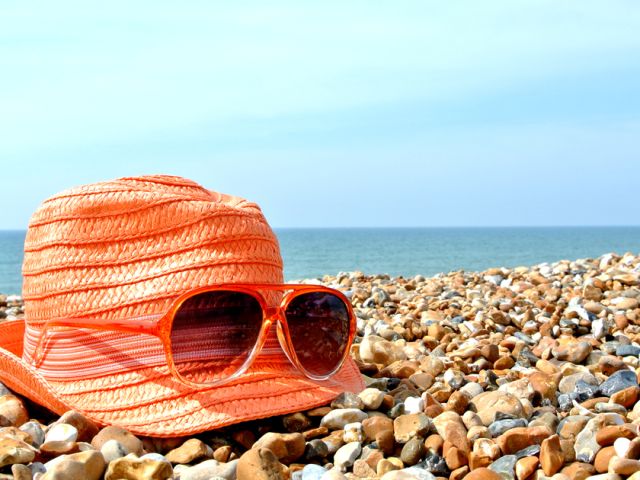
column 212, row 335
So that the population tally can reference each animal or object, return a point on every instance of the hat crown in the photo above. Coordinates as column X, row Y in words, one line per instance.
column 127, row 247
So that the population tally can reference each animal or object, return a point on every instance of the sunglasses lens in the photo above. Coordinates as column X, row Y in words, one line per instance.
column 319, row 329
column 213, row 334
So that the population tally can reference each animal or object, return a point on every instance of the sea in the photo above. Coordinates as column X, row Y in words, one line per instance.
column 314, row 252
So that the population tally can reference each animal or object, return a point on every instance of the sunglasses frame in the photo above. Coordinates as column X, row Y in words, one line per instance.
column 160, row 326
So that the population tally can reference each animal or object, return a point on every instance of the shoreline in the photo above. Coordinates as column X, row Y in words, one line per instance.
column 527, row 372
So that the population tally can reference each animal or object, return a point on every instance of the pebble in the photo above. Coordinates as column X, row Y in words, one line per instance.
column 498, row 427
column 34, row 429
column 551, row 455
column 619, row 381
column 61, row 432
column 129, row 441
column 112, row 450
column 209, row 469
column 347, row 400
column 353, row 433
column 337, row 419
column 406, row 427
column 191, row 450
column 528, row 371
column 483, row 474
column 628, row 350
column 411, row 473
column 134, row 468
column 312, row 472
column 259, row 464
column 88, row 465
column 87, row 429
column 347, row 455
column 287, row 447
column 413, row 405
column 14, row 451
column 12, row 411
column 412, row 451
column 505, row 466
column 490, row 404
column 371, row 398
column 21, row 472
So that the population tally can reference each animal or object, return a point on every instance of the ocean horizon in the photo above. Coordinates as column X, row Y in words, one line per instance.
column 404, row 251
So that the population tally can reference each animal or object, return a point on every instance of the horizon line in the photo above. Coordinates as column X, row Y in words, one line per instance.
column 409, row 227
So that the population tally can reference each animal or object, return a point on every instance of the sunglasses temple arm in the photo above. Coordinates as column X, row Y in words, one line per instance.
column 147, row 324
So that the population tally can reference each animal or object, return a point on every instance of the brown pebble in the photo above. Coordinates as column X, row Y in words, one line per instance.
column 388, row 464
column 624, row 466
column 411, row 425
column 604, row 455
column 551, row 457
column 608, row 434
column 87, row 429
column 521, row 437
column 287, row 447
column 319, row 412
column 459, row 473
column 412, row 451
column 504, row 363
column 373, row 425
column 525, row 467
column 315, row 433
column 88, row 465
column 579, row 471
column 191, row 450
column 362, row 469
column 20, row 472
column 12, row 411
column 133, row 468
column 478, row 461
column 246, row 438
column 626, row 397
column 457, row 402
column 482, row 474
column 296, row 422
column 221, row 454
column 634, row 449
column 15, row 451
column 128, row 440
column 16, row 434
column 434, row 443
column 455, row 458
column 259, row 464
column 386, row 441
column 49, row 450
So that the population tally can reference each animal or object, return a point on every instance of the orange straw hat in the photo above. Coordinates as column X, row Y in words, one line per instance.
column 126, row 249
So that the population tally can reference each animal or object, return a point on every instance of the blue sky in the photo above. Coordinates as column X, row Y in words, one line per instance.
column 459, row 113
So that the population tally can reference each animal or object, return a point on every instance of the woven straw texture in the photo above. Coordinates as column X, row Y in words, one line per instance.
column 126, row 248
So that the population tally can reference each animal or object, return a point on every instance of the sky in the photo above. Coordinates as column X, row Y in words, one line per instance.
column 333, row 113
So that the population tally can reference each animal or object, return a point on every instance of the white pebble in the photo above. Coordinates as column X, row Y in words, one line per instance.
column 62, row 432
column 353, row 433
column 347, row 454
column 621, row 446
column 413, row 405
column 311, row 472
column 35, row 432
column 112, row 450
column 155, row 456
column 372, row 398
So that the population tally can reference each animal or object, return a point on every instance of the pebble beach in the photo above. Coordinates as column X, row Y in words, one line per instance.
column 520, row 373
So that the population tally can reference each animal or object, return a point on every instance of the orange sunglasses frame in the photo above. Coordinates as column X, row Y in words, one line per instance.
column 160, row 325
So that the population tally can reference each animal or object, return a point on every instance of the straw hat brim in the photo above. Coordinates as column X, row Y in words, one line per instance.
column 147, row 401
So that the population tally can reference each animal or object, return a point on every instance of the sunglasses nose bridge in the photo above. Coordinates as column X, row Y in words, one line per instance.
column 272, row 314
